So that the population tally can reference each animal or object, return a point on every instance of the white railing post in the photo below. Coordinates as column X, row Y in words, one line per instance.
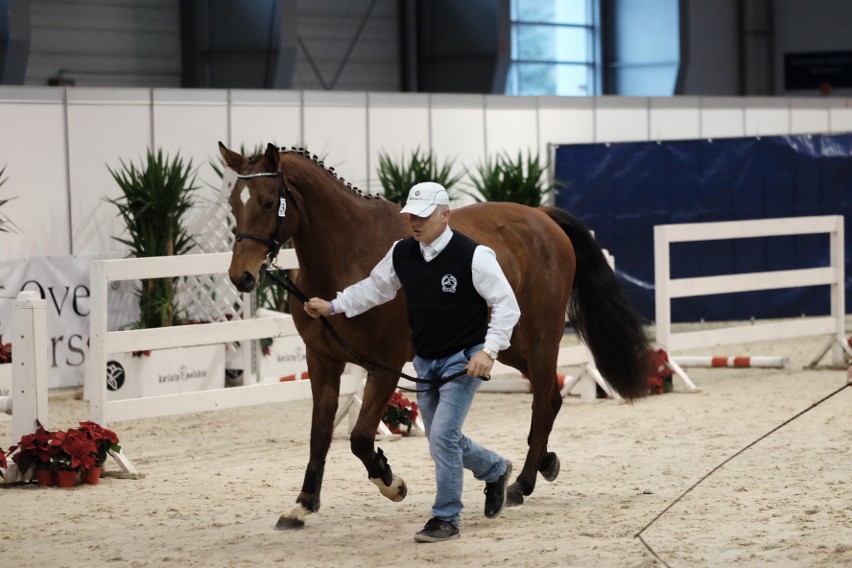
column 29, row 371
column 94, row 386
column 838, row 292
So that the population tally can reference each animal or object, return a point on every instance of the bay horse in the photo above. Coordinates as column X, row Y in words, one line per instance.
column 551, row 260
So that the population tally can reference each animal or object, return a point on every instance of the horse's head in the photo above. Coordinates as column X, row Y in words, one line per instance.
column 265, row 211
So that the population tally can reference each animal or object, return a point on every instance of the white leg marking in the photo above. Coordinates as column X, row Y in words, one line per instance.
column 395, row 492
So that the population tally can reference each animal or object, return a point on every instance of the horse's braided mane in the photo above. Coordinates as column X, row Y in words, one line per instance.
column 314, row 158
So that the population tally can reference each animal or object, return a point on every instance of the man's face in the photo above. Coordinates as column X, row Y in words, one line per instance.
column 427, row 229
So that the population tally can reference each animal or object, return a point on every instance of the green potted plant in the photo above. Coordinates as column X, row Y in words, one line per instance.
column 156, row 199
column 503, row 178
column 398, row 177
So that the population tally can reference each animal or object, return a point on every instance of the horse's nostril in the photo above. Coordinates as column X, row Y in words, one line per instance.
column 247, row 280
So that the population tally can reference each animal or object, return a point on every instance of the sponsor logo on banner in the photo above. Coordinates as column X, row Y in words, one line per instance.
column 166, row 371
column 286, row 360
column 63, row 281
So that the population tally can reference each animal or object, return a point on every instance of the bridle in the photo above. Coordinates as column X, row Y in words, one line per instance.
column 273, row 243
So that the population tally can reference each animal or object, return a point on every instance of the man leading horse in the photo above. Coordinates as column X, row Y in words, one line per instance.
column 450, row 282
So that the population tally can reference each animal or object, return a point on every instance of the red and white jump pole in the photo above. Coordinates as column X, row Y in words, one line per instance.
column 750, row 361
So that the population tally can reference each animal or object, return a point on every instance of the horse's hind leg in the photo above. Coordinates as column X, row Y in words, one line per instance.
column 325, row 388
column 547, row 401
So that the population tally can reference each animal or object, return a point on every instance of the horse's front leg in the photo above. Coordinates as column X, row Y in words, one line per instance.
column 376, row 395
column 325, row 387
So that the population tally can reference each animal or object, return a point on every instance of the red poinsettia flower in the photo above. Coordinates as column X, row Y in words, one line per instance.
column 400, row 411
column 35, row 449
column 104, row 439
column 81, row 449
column 3, row 463
column 97, row 432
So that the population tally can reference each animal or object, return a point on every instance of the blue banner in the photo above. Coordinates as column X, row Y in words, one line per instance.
column 621, row 191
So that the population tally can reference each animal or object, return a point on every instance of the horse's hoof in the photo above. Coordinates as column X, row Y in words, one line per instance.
column 549, row 466
column 293, row 519
column 286, row 523
column 396, row 491
column 514, row 495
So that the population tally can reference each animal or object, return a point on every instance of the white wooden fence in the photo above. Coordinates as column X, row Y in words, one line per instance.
column 668, row 288
column 103, row 343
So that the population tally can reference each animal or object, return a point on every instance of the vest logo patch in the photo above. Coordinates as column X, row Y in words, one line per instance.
column 449, row 283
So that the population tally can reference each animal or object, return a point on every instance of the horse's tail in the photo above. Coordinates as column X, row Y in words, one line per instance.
column 602, row 314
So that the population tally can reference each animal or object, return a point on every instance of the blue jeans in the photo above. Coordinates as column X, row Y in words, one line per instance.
column 443, row 410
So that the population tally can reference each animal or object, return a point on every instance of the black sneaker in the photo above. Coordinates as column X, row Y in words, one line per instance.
column 495, row 493
column 437, row 530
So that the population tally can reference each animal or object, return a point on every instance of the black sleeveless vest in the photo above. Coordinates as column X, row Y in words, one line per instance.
column 445, row 312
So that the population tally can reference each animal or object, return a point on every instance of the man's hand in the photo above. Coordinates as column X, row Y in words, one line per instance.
column 316, row 307
column 480, row 365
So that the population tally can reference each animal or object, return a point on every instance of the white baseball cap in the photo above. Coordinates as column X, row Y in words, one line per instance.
column 424, row 198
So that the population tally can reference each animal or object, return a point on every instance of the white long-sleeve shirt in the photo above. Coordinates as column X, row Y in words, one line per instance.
column 383, row 283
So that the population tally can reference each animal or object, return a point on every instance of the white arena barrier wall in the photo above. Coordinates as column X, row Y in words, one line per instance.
column 667, row 288
column 104, row 343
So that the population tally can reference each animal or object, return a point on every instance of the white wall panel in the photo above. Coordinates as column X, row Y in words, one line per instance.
column 398, row 124
column 566, row 120
column 840, row 118
column 191, row 122
column 675, row 118
column 767, row 116
column 458, row 131
column 259, row 118
column 335, row 129
column 511, row 125
column 722, row 117
column 621, row 119
column 32, row 150
column 104, row 127
column 808, row 116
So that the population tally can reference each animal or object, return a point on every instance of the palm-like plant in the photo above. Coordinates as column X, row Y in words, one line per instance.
column 6, row 224
column 157, row 196
column 397, row 178
column 522, row 180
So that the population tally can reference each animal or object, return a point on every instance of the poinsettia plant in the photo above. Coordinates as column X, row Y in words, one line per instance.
column 400, row 412
column 104, row 439
column 4, row 465
column 5, row 352
column 35, row 450
column 76, row 449
column 660, row 380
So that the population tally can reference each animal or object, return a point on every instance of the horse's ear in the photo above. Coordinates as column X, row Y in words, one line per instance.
column 232, row 159
column 271, row 157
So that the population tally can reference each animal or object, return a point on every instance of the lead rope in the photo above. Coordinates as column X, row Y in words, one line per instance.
column 712, row 471
column 368, row 364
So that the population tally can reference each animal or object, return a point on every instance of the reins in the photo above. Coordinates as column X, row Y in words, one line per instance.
column 287, row 283
column 712, row 471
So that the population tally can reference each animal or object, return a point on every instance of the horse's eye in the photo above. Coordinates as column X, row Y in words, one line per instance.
column 267, row 205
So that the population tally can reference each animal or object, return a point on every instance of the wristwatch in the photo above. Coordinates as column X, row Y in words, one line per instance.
column 490, row 352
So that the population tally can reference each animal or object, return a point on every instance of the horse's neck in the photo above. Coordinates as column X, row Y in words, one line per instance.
column 341, row 234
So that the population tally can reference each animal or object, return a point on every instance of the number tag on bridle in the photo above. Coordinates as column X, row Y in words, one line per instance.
column 282, row 207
